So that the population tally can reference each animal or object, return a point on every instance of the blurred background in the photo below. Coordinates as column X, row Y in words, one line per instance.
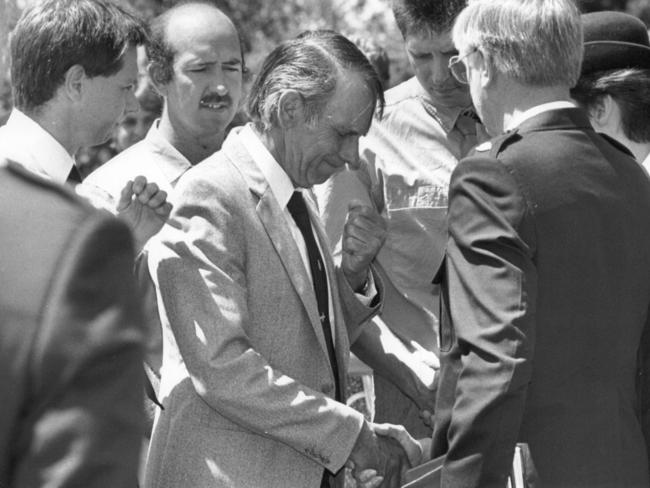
column 264, row 23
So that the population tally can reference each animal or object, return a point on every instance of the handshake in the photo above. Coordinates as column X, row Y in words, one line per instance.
column 382, row 454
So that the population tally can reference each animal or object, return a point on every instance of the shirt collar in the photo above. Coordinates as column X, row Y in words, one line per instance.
column 40, row 151
column 538, row 109
column 277, row 178
column 445, row 116
column 173, row 164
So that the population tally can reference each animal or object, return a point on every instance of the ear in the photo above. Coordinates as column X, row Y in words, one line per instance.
column 601, row 111
column 291, row 109
column 155, row 76
column 486, row 70
column 73, row 82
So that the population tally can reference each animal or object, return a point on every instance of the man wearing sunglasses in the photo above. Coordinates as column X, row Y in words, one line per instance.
column 406, row 161
column 545, row 283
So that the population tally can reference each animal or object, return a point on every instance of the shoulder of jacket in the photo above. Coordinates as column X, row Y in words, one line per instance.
column 30, row 178
column 495, row 146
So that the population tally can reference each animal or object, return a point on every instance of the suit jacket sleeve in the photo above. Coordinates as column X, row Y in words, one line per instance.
column 643, row 384
column 85, row 412
column 202, row 278
column 491, row 280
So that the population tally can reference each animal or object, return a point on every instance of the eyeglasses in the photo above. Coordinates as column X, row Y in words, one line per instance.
column 458, row 68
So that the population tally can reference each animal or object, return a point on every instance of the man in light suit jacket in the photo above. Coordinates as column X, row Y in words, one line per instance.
column 256, row 317
column 71, row 413
column 546, row 280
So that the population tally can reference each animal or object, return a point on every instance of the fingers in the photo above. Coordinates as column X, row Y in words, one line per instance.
column 365, row 218
column 164, row 210
column 364, row 233
column 411, row 447
column 147, row 194
column 427, row 417
column 426, row 445
column 125, row 196
column 368, row 478
column 426, row 356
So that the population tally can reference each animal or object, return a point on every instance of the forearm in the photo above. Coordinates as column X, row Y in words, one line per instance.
column 388, row 356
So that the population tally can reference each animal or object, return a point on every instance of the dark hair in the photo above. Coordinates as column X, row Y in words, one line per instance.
column 310, row 64
column 425, row 16
column 377, row 56
column 159, row 50
column 630, row 89
column 55, row 35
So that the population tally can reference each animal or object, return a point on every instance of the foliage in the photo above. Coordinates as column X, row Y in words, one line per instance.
column 264, row 23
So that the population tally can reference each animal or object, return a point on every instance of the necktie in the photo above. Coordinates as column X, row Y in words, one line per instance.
column 467, row 125
column 74, row 177
column 300, row 215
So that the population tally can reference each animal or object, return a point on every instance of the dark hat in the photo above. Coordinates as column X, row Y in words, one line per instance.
column 614, row 40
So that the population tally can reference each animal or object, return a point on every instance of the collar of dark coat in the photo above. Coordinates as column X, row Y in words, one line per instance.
column 564, row 118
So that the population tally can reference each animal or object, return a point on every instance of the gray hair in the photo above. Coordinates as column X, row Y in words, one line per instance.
column 310, row 64
column 534, row 42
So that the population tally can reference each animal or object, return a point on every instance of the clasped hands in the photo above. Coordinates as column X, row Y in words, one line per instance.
column 382, row 454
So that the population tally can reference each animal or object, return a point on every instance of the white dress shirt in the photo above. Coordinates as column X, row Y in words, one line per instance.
column 24, row 141
column 153, row 157
column 282, row 189
column 536, row 110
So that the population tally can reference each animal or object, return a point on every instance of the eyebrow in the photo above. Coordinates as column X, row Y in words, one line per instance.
column 233, row 61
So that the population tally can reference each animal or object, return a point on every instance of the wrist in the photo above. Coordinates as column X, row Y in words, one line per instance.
column 357, row 281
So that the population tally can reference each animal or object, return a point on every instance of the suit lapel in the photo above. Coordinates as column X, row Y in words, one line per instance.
column 274, row 221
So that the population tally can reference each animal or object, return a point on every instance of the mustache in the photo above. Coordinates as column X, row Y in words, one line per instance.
column 216, row 98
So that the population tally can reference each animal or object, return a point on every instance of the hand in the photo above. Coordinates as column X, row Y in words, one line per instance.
column 367, row 478
column 427, row 417
column 380, row 453
column 144, row 207
column 363, row 235
column 426, row 356
column 418, row 451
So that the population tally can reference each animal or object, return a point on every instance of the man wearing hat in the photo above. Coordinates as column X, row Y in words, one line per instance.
column 614, row 85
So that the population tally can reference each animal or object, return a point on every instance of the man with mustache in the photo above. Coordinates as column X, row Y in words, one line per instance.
column 196, row 64
column 407, row 159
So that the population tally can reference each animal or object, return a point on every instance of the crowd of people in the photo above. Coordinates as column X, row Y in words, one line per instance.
column 479, row 235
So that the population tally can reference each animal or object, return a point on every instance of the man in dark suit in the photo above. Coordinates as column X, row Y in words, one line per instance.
column 70, row 340
column 546, row 279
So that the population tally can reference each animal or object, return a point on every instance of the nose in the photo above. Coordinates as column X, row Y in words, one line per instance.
column 440, row 70
column 350, row 151
column 218, row 82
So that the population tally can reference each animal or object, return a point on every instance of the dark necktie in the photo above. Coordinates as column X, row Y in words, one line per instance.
column 300, row 215
column 74, row 177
